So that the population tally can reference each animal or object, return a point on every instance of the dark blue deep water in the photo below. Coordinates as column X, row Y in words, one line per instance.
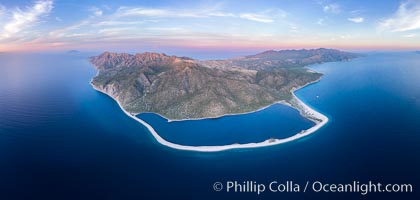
column 60, row 139
column 277, row 121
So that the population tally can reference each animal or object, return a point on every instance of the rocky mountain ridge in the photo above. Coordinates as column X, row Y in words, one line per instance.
column 184, row 88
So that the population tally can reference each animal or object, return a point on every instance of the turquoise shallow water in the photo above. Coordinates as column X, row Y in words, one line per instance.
column 60, row 139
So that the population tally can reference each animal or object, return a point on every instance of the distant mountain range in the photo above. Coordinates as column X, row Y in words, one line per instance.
column 282, row 59
column 185, row 88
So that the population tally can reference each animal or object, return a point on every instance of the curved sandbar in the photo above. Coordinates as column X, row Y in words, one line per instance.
column 306, row 111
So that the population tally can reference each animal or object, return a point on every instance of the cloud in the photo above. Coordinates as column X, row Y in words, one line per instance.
column 256, row 17
column 165, row 13
column 294, row 29
column 133, row 22
column 356, row 19
column 410, row 35
column 332, row 8
column 267, row 16
column 119, row 23
column 107, row 7
column 23, row 19
column 347, row 36
column 96, row 11
column 2, row 10
column 146, row 12
column 67, row 31
column 320, row 21
column 115, row 30
column 263, row 17
column 406, row 18
column 222, row 14
column 122, row 24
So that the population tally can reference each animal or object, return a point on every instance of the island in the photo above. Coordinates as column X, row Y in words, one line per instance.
column 73, row 51
column 181, row 88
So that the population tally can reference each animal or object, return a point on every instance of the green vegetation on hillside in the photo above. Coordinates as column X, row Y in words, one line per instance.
column 180, row 87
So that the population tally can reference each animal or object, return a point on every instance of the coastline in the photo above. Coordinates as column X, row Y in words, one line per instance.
column 284, row 102
column 219, row 116
column 318, row 118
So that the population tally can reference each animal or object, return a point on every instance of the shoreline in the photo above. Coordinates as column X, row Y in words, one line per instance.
column 295, row 103
column 219, row 116
column 284, row 102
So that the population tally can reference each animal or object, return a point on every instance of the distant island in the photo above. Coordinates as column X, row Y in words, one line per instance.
column 183, row 88
column 73, row 51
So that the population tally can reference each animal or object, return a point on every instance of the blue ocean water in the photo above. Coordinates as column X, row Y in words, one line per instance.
column 60, row 139
column 277, row 121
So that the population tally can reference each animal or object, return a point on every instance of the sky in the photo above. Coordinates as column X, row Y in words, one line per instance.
column 94, row 25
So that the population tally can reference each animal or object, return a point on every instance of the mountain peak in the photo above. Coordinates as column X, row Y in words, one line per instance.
column 180, row 88
column 151, row 56
column 108, row 60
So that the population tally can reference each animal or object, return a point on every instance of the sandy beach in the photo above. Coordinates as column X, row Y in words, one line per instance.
column 306, row 111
